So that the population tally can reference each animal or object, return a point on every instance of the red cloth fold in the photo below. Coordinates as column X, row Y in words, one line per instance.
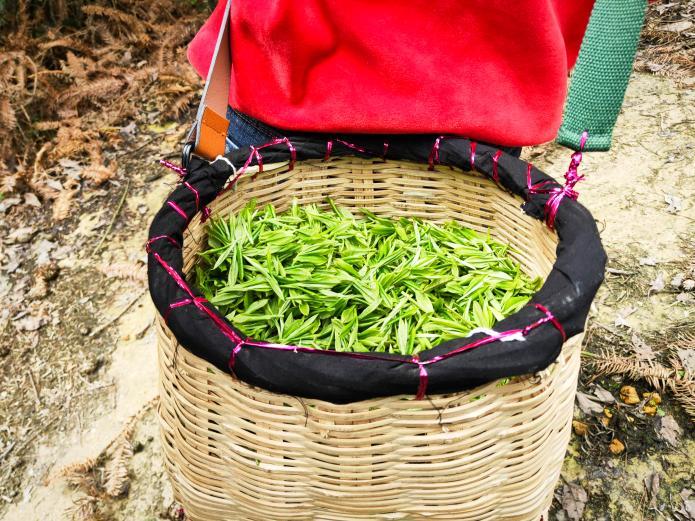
column 491, row 70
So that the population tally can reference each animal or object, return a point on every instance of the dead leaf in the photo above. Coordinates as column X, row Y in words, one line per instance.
column 677, row 27
column 648, row 261
column 616, row 447
column 669, row 430
column 42, row 251
column 641, row 349
column 29, row 323
column 652, row 484
column 574, row 499
column 30, row 199
column 21, row 235
column 621, row 317
column 587, row 404
column 688, row 507
column 603, row 395
column 677, row 280
column 658, row 284
column 6, row 204
column 662, row 8
column 628, row 395
column 687, row 357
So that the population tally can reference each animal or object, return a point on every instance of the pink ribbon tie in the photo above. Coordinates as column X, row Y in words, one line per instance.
column 558, row 193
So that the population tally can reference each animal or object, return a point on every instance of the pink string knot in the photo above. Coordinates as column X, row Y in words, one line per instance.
column 558, row 193
column 171, row 166
column 255, row 154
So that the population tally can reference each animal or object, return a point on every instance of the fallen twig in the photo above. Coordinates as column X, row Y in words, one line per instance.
column 119, row 315
column 614, row 271
column 113, row 219
column 37, row 396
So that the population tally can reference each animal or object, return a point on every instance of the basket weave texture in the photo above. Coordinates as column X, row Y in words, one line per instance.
column 237, row 452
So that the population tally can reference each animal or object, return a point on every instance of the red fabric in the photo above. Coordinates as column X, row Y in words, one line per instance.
column 491, row 70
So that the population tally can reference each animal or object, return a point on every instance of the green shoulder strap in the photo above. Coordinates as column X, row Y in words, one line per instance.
column 601, row 74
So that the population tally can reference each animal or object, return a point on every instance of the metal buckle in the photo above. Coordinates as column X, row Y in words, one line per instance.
column 186, row 155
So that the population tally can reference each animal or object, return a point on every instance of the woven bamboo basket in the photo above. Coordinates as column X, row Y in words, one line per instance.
column 238, row 452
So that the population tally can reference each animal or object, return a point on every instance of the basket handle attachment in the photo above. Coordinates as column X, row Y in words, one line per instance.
column 208, row 134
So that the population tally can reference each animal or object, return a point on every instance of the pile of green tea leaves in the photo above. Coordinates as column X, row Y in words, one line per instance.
column 327, row 279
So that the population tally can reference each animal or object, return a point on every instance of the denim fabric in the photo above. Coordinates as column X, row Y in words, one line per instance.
column 245, row 131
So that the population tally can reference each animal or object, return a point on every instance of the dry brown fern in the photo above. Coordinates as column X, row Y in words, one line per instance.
column 85, row 508
column 134, row 28
column 125, row 271
column 79, row 475
column 116, row 480
column 98, row 174
column 675, row 378
column 62, row 85
column 94, row 91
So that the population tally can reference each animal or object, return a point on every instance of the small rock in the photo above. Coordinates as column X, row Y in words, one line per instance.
column 628, row 395
column 675, row 203
column 688, row 284
column 616, row 447
column 92, row 366
column 648, row 261
column 580, row 428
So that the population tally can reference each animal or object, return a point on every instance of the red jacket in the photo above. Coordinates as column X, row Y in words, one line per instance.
column 492, row 70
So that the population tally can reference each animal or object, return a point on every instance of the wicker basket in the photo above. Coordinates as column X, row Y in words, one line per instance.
column 237, row 452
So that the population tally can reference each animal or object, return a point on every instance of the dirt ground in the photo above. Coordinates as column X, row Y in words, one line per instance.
column 77, row 343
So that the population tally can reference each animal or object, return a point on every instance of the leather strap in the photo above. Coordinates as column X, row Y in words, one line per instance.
column 211, row 124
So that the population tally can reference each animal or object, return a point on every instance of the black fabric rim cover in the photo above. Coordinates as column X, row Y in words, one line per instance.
column 567, row 292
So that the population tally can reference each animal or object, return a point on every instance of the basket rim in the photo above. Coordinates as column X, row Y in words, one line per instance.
column 561, row 305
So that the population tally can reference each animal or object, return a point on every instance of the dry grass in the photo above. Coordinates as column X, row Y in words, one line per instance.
column 668, row 41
